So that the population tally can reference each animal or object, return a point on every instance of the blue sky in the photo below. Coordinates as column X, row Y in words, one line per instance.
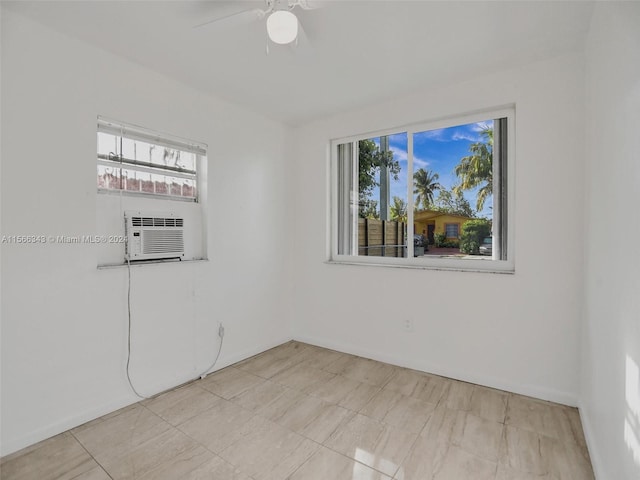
column 438, row 151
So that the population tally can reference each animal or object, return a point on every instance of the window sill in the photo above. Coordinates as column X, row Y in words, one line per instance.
column 108, row 266
column 506, row 269
column 157, row 196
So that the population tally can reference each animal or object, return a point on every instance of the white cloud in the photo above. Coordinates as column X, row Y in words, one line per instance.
column 399, row 154
column 402, row 156
column 435, row 135
column 480, row 126
column 466, row 136
column 420, row 163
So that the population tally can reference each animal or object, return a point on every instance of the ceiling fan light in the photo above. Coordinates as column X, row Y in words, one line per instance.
column 282, row 27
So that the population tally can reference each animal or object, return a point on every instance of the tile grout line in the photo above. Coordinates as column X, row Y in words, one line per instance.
column 91, row 455
column 205, row 447
column 413, row 445
column 380, row 388
column 236, row 467
column 510, row 398
column 171, row 427
column 320, row 444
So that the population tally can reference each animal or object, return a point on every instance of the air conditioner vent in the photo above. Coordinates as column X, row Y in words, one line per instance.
column 154, row 236
column 156, row 222
column 162, row 241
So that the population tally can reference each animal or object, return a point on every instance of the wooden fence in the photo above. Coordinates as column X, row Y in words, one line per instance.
column 381, row 238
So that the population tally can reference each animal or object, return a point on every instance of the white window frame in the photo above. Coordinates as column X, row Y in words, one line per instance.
column 484, row 264
column 135, row 132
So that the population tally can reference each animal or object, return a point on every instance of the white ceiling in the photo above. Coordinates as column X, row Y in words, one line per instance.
column 358, row 52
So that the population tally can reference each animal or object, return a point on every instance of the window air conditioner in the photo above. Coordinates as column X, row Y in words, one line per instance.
column 153, row 236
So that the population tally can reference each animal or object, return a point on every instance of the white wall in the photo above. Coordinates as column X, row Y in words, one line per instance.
column 64, row 324
column 64, row 321
column 518, row 332
column 610, row 393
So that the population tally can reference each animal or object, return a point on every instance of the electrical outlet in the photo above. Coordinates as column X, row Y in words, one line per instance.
column 220, row 330
column 407, row 325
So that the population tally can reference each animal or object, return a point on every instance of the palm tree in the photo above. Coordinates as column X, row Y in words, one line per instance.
column 398, row 210
column 476, row 170
column 425, row 183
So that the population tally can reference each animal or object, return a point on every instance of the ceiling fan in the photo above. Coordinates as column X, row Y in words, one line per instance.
column 283, row 27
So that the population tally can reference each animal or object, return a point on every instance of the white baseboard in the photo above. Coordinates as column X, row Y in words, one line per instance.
column 250, row 352
column 589, row 435
column 55, row 428
column 30, row 438
column 535, row 391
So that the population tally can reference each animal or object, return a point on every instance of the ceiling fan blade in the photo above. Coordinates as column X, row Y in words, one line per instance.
column 307, row 4
column 239, row 18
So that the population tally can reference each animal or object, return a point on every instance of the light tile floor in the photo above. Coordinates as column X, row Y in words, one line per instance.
column 301, row 412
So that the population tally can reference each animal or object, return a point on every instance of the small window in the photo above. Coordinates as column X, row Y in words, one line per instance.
column 140, row 170
column 137, row 161
column 447, row 182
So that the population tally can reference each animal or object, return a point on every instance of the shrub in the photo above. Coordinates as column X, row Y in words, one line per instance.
column 439, row 239
column 472, row 234
column 470, row 247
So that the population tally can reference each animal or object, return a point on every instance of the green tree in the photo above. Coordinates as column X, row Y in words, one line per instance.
column 472, row 234
column 452, row 202
column 369, row 209
column 370, row 161
column 476, row 170
column 398, row 210
column 425, row 184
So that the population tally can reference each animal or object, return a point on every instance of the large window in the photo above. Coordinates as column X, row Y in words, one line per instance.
column 134, row 160
column 428, row 195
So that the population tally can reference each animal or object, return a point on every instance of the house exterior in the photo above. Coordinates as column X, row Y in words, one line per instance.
column 428, row 222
